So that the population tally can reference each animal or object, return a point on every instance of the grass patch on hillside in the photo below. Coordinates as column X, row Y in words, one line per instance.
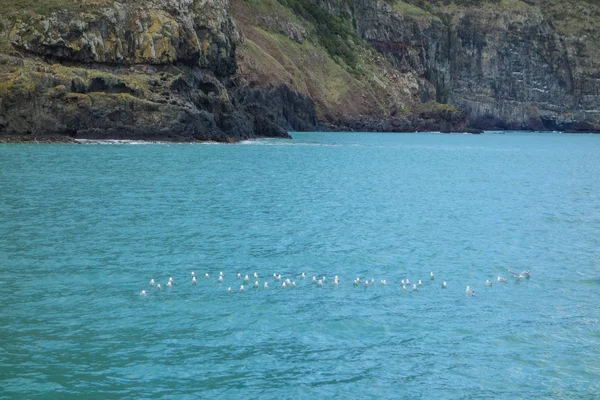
column 403, row 8
column 309, row 68
column 335, row 33
column 49, row 6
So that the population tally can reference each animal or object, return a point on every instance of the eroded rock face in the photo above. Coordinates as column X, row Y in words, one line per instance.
column 161, row 70
column 508, row 69
column 196, row 34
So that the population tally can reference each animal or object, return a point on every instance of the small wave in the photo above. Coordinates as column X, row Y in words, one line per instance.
column 118, row 141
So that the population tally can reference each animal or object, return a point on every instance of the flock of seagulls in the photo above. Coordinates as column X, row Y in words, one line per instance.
column 320, row 282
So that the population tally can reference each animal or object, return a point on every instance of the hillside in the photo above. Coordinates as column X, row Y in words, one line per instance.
column 228, row 70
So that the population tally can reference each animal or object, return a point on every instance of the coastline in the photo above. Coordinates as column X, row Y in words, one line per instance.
column 65, row 139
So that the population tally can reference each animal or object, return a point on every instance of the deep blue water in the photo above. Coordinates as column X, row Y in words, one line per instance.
column 84, row 228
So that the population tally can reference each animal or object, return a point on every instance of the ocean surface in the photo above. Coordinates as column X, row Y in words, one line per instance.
column 83, row 229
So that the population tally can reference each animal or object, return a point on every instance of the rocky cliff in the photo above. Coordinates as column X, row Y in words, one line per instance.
column 220, row 70
column 159, row 70
column 508, row 64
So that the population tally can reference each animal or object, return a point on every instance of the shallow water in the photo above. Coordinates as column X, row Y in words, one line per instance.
column 84, row 228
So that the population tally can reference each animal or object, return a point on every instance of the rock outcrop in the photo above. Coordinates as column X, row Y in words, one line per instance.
column 506, row 64
column 158, row 71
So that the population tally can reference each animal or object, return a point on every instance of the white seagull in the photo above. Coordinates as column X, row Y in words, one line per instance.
column 444, row 285
column 319, row 282
column 193, row 274
column 314, row 279
column 294, row 284
column 241, row 288
column 303, row 275
column 169, row 284
column 193, row 280
column 502, row 280
column 469, row 292
column 255, row 275
column 152, row 283
column 246, row 278
column 415, row 287
column 229, row 289
column 431, row 276
column 383, row 282
column 255, row 285
column 266, row 285
column 220, row 280
column 420, row 283
column 238, row 276
column 143, row 293
column 158, row 286
column 488, row 283
column 206, row 275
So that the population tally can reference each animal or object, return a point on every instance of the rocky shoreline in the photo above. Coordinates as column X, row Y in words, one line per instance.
column 231, row 70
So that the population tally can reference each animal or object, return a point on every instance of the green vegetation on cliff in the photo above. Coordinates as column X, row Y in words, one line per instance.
column 334, row 32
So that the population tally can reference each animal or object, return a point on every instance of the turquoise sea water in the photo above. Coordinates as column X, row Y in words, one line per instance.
column 84, row 228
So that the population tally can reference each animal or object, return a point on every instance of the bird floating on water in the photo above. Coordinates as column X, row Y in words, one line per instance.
column 241, row 288
column 320, row 282
column 293, row 284
column 220, row 280
column 415, row 288
column 193, row 274
column 206, row 275
column 238, row 276
column 524, row 274
column 444, row 285
column 152, row 282
column 420, row 283
column 255, row 284
column 502, row 280
column 169, row 284
column 229, row 289
column 488, row 283
column 193, row 280
column 383, row 282
column 158, row 286
column 143, row 293
column 314, row 279
column 284, row 285
column 246, row 278
column 469, row 292
column 303, row 275
column 171, row 279
column 255, row 275
column 266, row 285
column 431, row 276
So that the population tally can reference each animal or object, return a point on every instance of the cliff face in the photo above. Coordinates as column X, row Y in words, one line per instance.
column 508, row 64
column 214, row 70
column 161, row 70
